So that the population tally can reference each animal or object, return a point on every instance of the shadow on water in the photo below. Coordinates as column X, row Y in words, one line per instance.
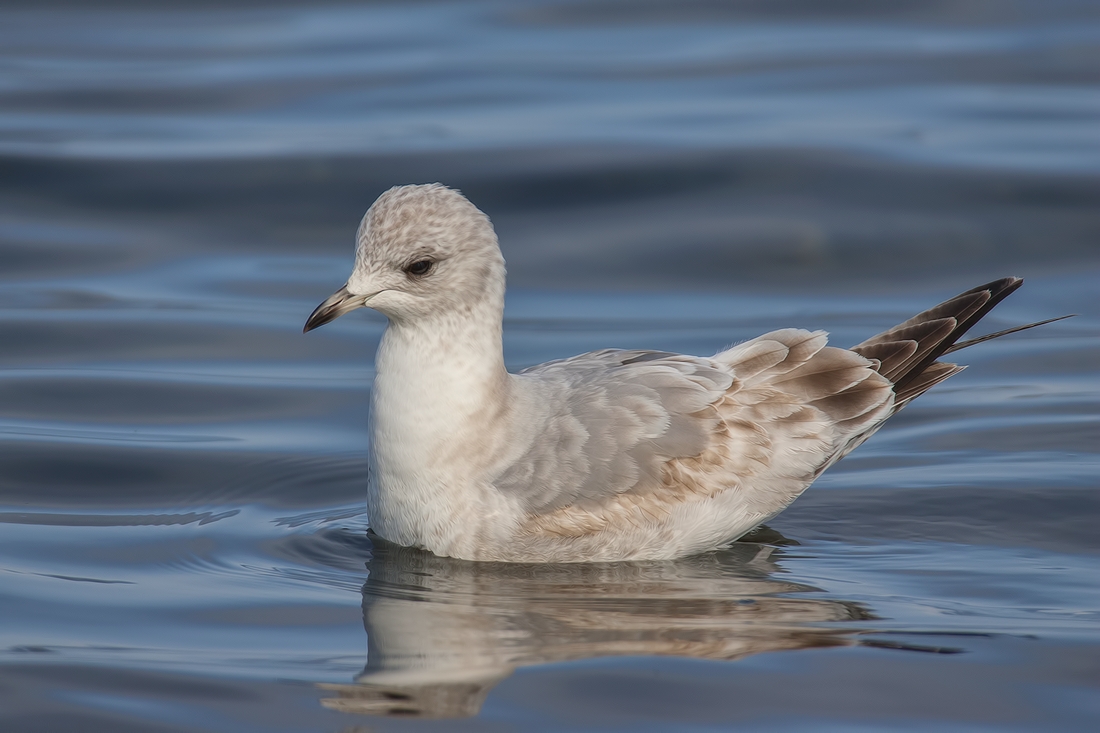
column 443, row 632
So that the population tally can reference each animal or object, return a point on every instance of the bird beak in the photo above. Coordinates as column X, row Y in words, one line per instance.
column 334, row 306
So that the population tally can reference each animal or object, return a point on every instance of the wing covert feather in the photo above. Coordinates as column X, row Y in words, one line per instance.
column 634, row 434
column 614, row 418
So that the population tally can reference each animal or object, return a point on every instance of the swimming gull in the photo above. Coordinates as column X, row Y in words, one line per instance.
column 611, row 455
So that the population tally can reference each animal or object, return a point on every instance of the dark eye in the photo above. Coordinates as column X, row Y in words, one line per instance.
column 419, row 268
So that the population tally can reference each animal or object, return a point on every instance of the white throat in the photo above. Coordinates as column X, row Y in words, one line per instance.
column 440, row 395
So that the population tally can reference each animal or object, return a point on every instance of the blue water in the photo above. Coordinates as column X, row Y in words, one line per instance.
column 183, row 541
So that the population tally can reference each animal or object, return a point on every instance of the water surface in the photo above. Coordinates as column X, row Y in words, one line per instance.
column 183, row 543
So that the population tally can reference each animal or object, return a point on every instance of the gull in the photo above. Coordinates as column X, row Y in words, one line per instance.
column 608, row 456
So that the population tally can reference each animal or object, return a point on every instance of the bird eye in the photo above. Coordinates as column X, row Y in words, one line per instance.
column 419, row 268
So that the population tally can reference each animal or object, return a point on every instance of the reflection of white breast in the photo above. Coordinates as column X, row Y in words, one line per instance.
column 443, row 632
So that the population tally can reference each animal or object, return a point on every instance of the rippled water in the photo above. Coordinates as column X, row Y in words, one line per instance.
column 183, row 544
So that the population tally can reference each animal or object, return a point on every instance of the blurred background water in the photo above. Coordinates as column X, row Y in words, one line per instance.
column 183, row 544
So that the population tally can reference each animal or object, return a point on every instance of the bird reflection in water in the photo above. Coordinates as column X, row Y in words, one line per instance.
column 443, row 632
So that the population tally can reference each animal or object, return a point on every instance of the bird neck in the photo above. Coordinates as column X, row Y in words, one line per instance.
column 437, row 380
column 438, row 408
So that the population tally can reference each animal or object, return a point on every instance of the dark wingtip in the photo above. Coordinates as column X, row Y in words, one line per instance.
column 908, row 352
column 998, row 290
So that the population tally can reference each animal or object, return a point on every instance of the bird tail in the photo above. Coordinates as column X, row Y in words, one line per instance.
column 906, row 354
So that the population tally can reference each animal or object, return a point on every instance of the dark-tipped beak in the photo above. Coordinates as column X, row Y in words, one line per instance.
column 335, row 306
